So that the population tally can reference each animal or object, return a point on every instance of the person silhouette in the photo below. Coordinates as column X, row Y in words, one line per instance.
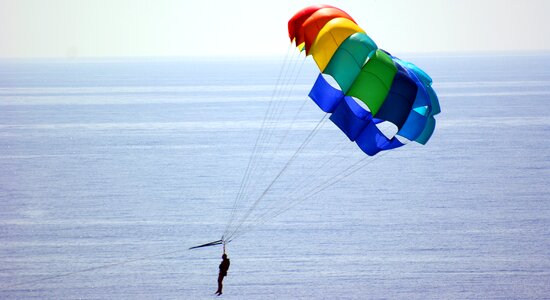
column 224, row 266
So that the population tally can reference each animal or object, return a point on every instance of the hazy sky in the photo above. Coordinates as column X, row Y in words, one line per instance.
column 60, row 28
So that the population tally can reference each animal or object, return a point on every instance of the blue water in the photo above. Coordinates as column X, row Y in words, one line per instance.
column 111, row 169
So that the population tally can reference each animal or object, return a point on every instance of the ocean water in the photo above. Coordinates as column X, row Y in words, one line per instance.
column 111, row 169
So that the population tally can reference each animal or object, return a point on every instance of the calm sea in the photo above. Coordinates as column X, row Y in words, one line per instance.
column 111, row 169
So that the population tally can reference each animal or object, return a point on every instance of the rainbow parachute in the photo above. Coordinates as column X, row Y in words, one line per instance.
column 379, row 101
column 382, row 102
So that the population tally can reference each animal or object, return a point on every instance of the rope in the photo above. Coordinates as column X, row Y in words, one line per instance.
column 263, row 158
column 264, row 138
column 267, row 217
column 245, row 179
column 266, row 132
column 320, row 188
column 91, row 269
column 329, row 161
column 270, row 146
column 304, row 143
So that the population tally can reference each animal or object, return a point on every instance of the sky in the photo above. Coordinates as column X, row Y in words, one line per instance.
column 168, row 28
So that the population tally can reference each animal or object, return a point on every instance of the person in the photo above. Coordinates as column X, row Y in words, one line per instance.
column 224, row 266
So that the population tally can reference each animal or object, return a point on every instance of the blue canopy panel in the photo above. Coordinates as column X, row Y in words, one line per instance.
column 414, row 126
column 398, row 104
column 434, row 101
column 433, row 106
column 425, row 78
column 427, row 83
column 371, row 140
column 427, row 132
column 422, row 96
column 420, row 124
column 324, row 95
column 416, row 121
column 350, row 117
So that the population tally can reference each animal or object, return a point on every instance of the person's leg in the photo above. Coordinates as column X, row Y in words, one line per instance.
column 220, row 285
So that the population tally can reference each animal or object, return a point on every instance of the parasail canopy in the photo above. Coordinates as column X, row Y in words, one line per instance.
column 379, row 101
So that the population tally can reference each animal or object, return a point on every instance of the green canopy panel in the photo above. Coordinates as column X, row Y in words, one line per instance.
column 374, row 81
column 349, row 58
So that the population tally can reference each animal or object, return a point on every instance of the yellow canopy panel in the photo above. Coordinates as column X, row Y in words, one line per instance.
column 329, row 39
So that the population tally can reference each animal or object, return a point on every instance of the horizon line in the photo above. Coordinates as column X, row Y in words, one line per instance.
column 268, row 56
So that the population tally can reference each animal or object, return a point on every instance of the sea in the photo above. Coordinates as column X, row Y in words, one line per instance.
column 112, row 168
